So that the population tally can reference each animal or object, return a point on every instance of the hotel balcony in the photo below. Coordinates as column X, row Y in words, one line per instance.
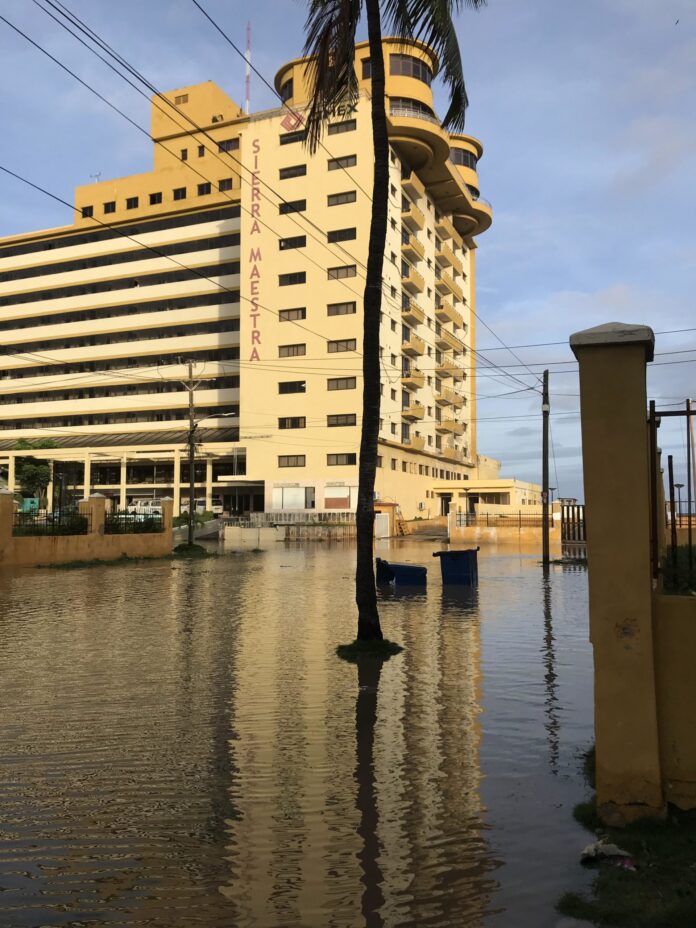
column 445, row 285
column 445, row 312
column 457, row 399
column 414, row 411
column 445, row 257
column 450, row 426
column 416, row 443
column 412, row 314
column 413, row 185
column 412, row 281
column 411, row 248
column 447, row 397
column 413, row 380
column 412, row 217
column 414, row 346
column 445, row 228
column 453, row 454
column 446, row 368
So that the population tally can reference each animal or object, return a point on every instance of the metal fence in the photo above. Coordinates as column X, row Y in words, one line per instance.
column 573, row 523
column 262, row 519
column 60, row 522
column 499, row 520
column 122, row 522
column 678, row 520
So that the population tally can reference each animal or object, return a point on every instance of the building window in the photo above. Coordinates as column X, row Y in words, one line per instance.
column 336, row 128
column 225, row 184
column 289, row 315
column 287, row 280
column 346, row 161
column 405, row 106
column 286, row 90
column 155, row 198
column 366, row 69
column 379, row 460
column 292, row 386
column 181, row 98
column 87, row 211
column 110, row 207
column 291, row 351
column 337, row 199
column 338, row 460
column 289, row 137
column 463, row 157
column 228, row 145
column 341, row 419
column 291, row 460
column 292, row 206
column 393, row 463
column 341, row 344
column 341, row 383
column 345, row 270
column 341, row 235
column 340, row 309
column 295, row 170
column 204, row 189
column 201, row 151
column 292, row 422
column 180, row 193
column 132, row 203
column 408, row 66
column 184, row 154
column 295, row 241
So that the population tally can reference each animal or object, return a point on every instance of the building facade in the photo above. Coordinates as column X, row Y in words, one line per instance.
column 240, row 258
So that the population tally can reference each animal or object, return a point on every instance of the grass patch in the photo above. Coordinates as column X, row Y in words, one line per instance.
column 677, row 578
column 194, row 550
column 380, row 650
column 660, row 893
column 95, row 562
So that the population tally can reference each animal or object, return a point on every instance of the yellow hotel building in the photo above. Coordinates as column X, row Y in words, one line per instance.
column 243, row 254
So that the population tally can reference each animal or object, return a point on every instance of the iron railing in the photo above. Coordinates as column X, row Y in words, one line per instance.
column 59, row 522
column 261, row 519
column 122, row 522
column 499, row 520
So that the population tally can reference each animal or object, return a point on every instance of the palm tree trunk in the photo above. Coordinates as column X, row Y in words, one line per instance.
column 365, row 593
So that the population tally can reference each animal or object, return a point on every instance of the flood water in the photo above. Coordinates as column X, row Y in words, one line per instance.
column 179, row 746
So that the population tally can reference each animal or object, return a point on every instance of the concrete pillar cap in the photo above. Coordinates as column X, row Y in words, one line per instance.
column 6, row 492
column 97, row 496
column 167, row 499
column 615, row 333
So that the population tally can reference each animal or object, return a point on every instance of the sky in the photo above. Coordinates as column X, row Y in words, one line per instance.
column 587, row 115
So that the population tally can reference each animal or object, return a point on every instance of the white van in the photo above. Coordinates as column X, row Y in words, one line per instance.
column 199, row 505
column 146, row 506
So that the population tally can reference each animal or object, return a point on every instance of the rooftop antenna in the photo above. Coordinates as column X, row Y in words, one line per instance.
column 247, row 82
column 95, row 177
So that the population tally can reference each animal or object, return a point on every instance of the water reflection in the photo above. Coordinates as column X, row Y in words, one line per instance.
column 181, row 747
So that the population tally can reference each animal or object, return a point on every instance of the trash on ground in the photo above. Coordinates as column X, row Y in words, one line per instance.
column 599, row 850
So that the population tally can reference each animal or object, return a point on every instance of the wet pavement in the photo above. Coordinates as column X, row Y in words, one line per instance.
column 179, row 745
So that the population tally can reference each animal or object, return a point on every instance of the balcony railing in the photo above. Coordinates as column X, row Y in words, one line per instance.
column 408, row 111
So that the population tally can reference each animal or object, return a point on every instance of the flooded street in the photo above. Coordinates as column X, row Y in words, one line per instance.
column 180, row 746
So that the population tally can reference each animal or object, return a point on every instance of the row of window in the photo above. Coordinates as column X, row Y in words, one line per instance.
column 126, row 389
column 402, row 66
column 225, row 145
column 332, row 383
column 333, row 273
column 333, row 347
column 178, row 193
column 332, row 421
column 332, row 460
column 300, row 241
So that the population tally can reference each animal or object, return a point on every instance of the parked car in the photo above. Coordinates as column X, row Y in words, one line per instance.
column 200, row 507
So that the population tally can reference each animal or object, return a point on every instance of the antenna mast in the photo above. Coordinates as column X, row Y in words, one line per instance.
column 248, row 69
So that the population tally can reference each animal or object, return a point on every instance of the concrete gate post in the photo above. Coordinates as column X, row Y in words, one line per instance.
column 6, row 519
column 616, row 469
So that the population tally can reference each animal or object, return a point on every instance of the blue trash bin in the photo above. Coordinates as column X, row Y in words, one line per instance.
column 459, row 567
column 400, row 574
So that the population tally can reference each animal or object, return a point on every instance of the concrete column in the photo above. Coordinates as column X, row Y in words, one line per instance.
column 209, row 484
column 95, row 508
column 49, row 489
column 88, row 475
column 167, row 513
column 177, row 481
column 6, row 517
column 122, row 496
column 616, row 469
column 11, row 478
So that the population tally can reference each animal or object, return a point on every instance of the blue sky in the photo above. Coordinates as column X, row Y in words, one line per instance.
column 586, row 112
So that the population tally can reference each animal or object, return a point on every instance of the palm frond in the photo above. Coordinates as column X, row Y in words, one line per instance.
column 430, row 21
column 330, row 71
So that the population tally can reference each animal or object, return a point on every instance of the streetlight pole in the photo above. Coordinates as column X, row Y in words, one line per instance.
column 678, row 488
column 191, row 452
column 545, row 409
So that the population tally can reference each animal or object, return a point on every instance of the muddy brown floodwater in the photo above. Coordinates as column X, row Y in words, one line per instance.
column 179, row 746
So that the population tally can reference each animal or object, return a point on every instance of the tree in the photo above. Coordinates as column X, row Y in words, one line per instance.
column 330, row 44
column 33, row 475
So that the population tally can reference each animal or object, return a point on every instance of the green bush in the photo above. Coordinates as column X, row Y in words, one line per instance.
column 677, row 578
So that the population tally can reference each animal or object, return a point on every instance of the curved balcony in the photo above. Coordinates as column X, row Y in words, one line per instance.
column 413, row 380
column 413, row 412
column 414, row 347
column 412, row 314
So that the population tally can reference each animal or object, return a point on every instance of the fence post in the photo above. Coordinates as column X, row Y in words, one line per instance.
column 95, row 509
column 167, row 515
column 6, row 519
column 613, row 402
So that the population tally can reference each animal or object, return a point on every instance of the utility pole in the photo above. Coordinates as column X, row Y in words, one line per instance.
column 191, row 453
column 545, row 409
column 690, row 477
